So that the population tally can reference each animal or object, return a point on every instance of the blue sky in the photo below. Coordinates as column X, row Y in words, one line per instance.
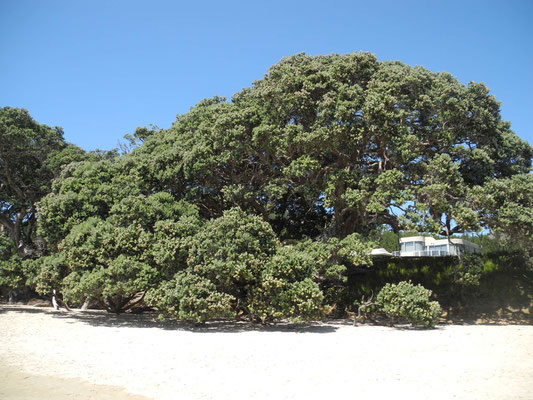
column 101, row 68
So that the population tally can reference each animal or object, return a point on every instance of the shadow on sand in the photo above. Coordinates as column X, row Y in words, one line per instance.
column 487, row 316
column 149, row 320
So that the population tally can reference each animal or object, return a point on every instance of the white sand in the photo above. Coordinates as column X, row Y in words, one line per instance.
column 322, row 361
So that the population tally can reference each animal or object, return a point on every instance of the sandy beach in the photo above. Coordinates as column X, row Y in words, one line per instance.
column 89, row 355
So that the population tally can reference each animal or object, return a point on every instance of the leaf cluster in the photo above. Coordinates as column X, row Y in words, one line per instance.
column 410, row 302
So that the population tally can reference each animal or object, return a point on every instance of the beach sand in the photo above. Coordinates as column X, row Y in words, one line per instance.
column 19, row 385
column 72, row 354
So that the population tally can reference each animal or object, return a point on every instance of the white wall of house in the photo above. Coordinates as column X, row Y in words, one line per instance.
column 421, row 246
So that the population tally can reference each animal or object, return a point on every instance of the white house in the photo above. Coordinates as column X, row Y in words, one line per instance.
column 421, row 246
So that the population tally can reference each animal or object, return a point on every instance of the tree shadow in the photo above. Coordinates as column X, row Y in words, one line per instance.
column 399, row 325
column 149, row 320
column 468, row 317
column 6, row 307
column 488, row 315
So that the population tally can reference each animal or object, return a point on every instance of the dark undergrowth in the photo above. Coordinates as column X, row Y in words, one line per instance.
column 495, row 288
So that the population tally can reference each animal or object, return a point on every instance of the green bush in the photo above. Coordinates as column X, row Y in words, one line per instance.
column 287, row 289
column 236, row 267
column 410, row 302
column 45, row 273
column 191, row 298
column 109, row 264
column 468, row 272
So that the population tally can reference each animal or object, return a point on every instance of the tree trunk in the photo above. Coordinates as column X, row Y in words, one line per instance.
column 85, row 305
column 341, row 225
column 14, row 230
column 54, row 301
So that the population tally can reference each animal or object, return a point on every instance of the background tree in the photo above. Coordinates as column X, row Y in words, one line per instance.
column 506, row 207
column 31, row 155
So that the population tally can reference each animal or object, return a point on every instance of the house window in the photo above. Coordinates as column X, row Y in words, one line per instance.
column 412, row 246
column 441, row 247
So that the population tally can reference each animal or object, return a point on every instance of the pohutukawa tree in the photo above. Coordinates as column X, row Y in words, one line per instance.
column 326, row 147
column 330, row 145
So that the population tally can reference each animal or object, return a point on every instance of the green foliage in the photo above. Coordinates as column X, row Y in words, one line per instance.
column 506, row 206
column 286, row 288
column 107, row 263
column 83, row 190
column 45, row 274
column 237, row 267
column 11, row 277
column 232, row 249
column 171, row 244
column 339, row 141
column 149, row 210
column 503, row 288
column 355, row 249
column 192, row 298
column 330, row 272
column 31, row 155
column 328, row 146
column 410, row 302
column 328, row 267
column 390, row 241
column 112, row 285
column 225, row 258
column 116, row 241
column 468, row 271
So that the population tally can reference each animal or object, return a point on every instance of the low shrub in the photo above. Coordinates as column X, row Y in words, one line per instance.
column 190, row 298
column 410, row 302
column 286, row 289
column 236, row 268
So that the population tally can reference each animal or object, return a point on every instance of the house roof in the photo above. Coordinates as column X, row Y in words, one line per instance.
column 380, row 252
column 429, row 241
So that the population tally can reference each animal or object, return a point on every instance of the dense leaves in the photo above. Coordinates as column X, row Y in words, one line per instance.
column 342, row 142
column 237, row 267
column 410, row 302
column 107, row 263
column 506, row 207
column 287, row 289
column 11, row 277
column 192, row 298
column 139, row 244
column 31, row 155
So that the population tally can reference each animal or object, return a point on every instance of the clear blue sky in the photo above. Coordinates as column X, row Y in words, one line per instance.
column 101, row 68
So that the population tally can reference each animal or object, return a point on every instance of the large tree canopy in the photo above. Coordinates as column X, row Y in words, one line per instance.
column 331, row 145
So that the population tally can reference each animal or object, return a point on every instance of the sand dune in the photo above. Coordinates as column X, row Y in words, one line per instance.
column 239, row 361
